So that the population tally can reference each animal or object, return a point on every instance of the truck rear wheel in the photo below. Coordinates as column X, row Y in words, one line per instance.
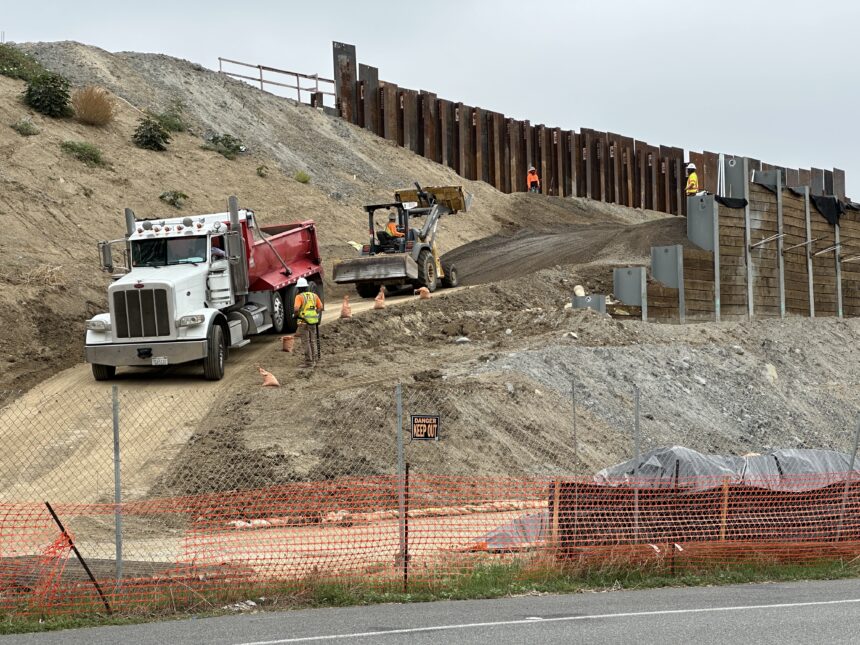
column 367, row 290
column 426, row 270
column 213, row 364
column 291, row 323
column 279, row 313
column 451, row 278
column 103, row 372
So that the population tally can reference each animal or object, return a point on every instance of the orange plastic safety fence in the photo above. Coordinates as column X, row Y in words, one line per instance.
column 210, row 550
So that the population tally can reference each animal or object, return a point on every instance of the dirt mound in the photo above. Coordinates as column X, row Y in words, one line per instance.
column 501, row 257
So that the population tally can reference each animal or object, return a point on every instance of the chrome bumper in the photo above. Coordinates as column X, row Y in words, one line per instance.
column 136, row 353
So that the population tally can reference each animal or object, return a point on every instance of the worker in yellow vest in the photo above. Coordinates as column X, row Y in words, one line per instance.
column 692, row 180
column 308, row 309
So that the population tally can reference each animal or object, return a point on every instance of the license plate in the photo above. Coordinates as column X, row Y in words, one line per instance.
column 159, row 360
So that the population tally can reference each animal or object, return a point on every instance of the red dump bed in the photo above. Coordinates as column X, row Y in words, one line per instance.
column 297, row 246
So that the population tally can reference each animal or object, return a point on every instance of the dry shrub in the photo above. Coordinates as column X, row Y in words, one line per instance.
column 43, row 275
column 93, row 105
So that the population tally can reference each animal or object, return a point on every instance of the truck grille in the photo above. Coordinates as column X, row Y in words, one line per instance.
column 141, row 313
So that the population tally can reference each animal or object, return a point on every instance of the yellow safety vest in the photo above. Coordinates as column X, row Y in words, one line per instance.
column 693, row 183
column 309, row 312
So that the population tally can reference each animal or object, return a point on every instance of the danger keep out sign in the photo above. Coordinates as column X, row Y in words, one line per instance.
column 425, row 426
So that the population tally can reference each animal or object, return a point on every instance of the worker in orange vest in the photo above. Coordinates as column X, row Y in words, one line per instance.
column 692, row 180
column 533, row 181
column 391, row 227
column 308, row 309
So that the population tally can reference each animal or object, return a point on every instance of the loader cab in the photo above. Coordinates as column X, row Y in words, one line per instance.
column 380, row 240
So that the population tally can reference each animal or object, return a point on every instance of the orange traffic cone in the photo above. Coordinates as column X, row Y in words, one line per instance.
column 288, row 343
column 345, row 309
column 423, row 293
column 379, row 302
column 269, row 379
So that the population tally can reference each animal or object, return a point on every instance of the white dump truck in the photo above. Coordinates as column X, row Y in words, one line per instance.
column 192, row 288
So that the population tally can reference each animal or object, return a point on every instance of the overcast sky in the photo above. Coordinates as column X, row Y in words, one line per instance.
column 778, row 81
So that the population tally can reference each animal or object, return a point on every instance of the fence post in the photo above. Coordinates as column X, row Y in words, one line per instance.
column 117, row 484
column 848, row 480
column 636, row 458
column 575, row 438
column 401, row 476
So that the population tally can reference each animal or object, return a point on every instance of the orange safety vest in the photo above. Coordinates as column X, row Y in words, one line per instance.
column 532, row 176
column 392, row 230
column 692, row 184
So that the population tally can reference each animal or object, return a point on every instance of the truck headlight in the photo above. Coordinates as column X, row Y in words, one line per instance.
column 190, row 321
column 98, row 325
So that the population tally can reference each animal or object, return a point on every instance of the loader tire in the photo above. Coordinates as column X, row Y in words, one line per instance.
column 451, row 278
column 279, row 313
column 367, row 290
column 291, row 323
column 216, row 355
column 427, row 270
column 103, row 372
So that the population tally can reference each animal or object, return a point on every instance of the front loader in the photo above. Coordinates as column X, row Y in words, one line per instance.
column 414, row 259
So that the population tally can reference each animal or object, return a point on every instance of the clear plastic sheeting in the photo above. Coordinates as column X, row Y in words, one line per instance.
column 683, row 468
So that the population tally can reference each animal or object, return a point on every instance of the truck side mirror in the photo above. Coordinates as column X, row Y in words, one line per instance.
column 106, row 256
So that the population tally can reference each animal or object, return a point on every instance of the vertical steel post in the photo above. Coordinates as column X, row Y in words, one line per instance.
column 848, row 480
column 809, row 276
column 401, row 477
column 716, row 234
column 575, row 440
column 117, row 485
column 837, row 252
column 748, row 241
column 780, row 245
column 636, row 447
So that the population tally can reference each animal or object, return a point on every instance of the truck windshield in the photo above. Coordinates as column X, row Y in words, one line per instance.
column 176, row 250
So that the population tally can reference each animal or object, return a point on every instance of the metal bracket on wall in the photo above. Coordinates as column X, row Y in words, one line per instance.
column 772, row 238
column 795, row 246
column 834, row 247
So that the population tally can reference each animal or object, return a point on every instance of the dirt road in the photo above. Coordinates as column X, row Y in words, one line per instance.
column 63, row 427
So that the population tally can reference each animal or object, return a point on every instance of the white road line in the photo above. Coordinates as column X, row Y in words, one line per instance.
column 532, row 621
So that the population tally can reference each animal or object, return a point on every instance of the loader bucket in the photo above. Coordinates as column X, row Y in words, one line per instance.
column 376, row 268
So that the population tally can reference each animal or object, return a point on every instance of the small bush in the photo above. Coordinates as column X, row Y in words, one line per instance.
column 262, row 171
column 25, row 127
column 85, row 152
column 226, row 145
column 151, row 135
column 48, row 94
column 173, row 118
column 302, row 177
column 173, row 197
column 93, row 105
column 16, row 64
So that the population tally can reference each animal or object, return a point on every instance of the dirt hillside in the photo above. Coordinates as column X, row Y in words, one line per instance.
column 55, row 208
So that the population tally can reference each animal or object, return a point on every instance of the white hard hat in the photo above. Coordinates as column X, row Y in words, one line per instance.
column 301, row 283
column 531, row 167
column 392, row 216
column 691, row 166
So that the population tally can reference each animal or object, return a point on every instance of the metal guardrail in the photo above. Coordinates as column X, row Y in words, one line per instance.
column 260, row 79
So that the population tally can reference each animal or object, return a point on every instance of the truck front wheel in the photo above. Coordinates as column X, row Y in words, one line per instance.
column 103, row 372
column 213, row 364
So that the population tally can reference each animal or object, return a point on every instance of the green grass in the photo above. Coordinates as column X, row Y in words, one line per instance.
column 25, row 127
column 488, row 580
column 85, row 152
column 302, row 177
column 225, row 145
column 16, row 64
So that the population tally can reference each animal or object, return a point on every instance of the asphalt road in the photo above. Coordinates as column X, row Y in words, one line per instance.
column 804, row 612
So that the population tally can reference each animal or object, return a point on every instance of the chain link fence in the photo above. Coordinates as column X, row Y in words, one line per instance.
column 183, row 488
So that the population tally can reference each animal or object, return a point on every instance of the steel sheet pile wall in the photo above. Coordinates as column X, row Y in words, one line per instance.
column 764, row 252
column 488, row 146
column 795, row 258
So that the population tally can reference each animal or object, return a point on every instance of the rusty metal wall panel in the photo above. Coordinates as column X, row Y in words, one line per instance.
column 506, row 157
column 463, row 118
column 569, row 141
column 558, row 149
column 409, row 110
column 390, row 110
column 457, row 150
column 444, row 129
column 839, row 183
column 628, row 161
column 817, row 185
column 515, row 140
column 542, row 158
column 755, row 164
column 498, row 144
column 640, row 165
column 615, row 171
column 345, row 77
column 428, row 118
column 792, row 177
column 369, row 77
column 480, row 145
column 528, row 158
column 588, row 147
column 602, row 158
column 804, row 177
column 828, row 182
column 708, row 181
